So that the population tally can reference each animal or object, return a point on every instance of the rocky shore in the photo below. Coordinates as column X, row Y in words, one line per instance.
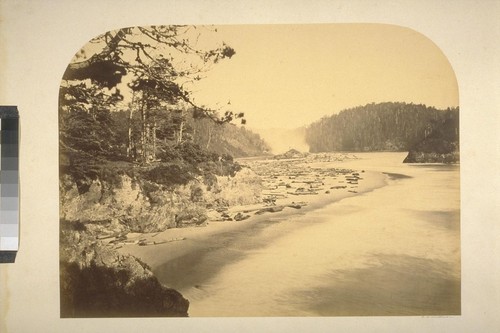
column 290, row 187
column 124, row 233
column 100, row 216
column 415, row 156
column 97, row 281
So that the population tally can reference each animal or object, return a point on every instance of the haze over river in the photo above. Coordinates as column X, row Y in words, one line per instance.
column 391, row 251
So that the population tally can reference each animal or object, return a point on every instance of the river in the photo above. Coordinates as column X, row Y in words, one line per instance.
column 392, row 251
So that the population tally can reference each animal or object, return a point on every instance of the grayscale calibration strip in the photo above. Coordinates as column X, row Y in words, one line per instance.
column 9, row 183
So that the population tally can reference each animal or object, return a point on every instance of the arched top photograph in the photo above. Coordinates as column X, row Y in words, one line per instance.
column 266, row 170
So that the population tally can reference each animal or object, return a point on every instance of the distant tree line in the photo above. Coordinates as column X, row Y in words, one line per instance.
column 378, row 127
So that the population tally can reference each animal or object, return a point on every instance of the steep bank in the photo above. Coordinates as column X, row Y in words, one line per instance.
column 134, row 204
column 98, row 213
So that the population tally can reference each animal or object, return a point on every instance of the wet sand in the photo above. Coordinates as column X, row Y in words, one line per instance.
column 181, row 258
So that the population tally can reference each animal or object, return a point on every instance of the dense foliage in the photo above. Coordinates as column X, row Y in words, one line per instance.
column 159, row 123
column 377, row 127
column 185, row 161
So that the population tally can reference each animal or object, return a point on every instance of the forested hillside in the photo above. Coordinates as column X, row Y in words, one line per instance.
column 179, row 126
column 227, row 139
column 377, row 127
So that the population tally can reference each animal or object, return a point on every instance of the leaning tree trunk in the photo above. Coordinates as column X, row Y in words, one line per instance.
column 129, row 147
column 143, row 131
column 153, row 134
column 147, row 136
column 210, row 132
column 181, row 130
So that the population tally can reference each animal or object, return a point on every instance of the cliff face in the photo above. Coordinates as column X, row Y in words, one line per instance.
column 242, row 189
column 137, row 205
column 130, row 203
column 97, row 281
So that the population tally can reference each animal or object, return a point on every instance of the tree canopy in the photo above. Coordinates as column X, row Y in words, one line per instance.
column 376, row 127
column 145, row 70
column 161, row 57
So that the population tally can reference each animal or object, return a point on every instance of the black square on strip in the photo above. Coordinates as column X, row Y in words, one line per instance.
column 7, row 257
column 10, row 124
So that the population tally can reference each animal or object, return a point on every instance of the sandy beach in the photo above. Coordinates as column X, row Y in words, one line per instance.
column 175, row 243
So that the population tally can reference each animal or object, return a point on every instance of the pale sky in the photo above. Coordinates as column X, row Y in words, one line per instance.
column 291, row 75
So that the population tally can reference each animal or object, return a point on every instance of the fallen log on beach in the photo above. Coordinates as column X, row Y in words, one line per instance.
column 273, row 209
column 296, row 206
column 302, row 193
column 146, row 243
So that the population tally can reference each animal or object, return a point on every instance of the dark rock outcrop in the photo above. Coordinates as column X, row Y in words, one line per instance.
column 441, row 146
column 432, row 157
column 97, row 281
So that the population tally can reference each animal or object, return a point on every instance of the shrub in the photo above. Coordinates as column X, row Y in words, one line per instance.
column 170, row 174
column 188, row 152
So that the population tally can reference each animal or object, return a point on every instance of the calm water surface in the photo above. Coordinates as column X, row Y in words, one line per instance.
column 393, row 251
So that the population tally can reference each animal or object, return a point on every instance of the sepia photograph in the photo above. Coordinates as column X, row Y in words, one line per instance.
column 267, row 166
column 259, row 170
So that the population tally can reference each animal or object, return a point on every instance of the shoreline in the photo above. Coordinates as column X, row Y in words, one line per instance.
column 187, row 246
